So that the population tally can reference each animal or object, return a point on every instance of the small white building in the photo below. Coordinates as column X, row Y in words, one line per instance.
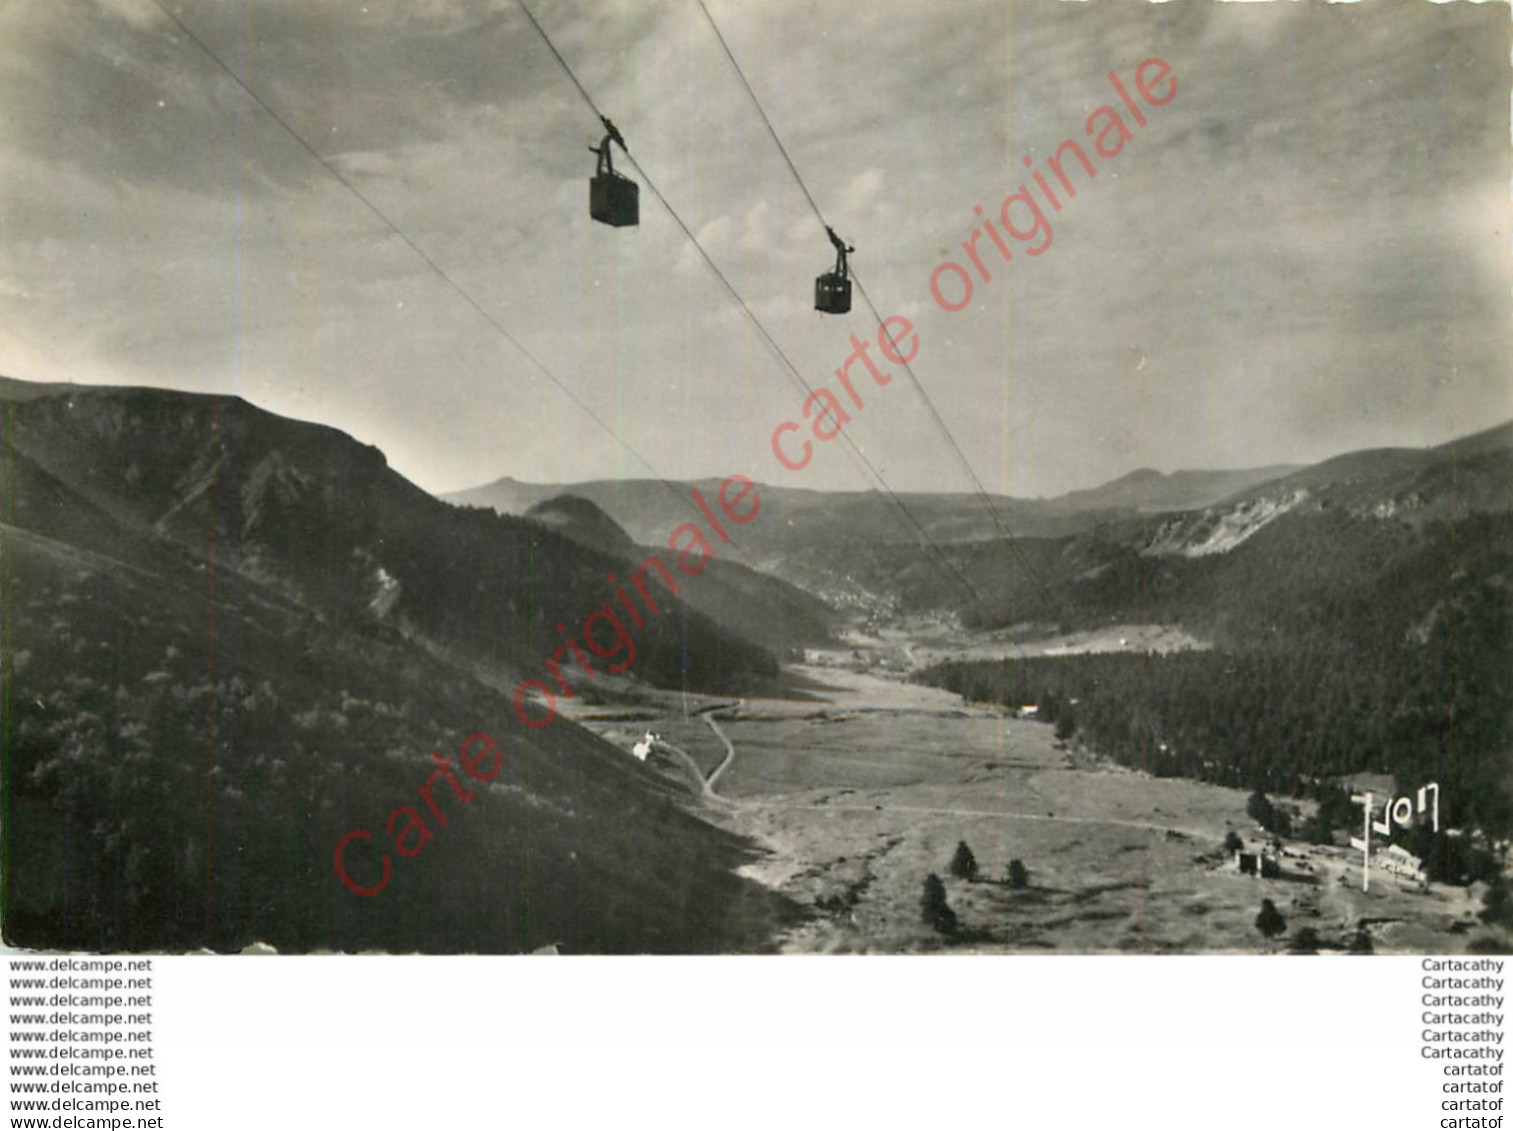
column 643, row 748
column 1398, row 861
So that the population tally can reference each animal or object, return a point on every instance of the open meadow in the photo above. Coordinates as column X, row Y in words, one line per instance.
column 859, row 799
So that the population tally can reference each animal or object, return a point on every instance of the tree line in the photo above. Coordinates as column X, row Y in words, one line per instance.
column 1291, row 717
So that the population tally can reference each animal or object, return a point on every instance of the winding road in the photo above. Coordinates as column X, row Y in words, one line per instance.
column 707, row 784
column 708, row 714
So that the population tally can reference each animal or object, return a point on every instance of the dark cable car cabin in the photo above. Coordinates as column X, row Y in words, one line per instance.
column 613, row 199
column 832, row 290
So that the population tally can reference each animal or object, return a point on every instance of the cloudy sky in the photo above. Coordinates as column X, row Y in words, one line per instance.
column 1306, row 251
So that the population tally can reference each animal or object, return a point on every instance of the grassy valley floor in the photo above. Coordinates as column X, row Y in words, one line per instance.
column 858, row 799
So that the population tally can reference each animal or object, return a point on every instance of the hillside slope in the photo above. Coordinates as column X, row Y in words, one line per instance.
column 756, row 606
column 1351, row 530
column 306, row 509
column 584, row 523
column 1361, row 613
column 229, row 640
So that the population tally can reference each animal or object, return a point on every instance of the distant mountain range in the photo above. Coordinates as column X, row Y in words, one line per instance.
column 1075, row 557
column 1380, row 531
column 646, row 509
column 822, row 540
column 1151, row 492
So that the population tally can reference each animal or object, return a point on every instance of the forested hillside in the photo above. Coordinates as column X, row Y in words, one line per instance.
column 325, row 521
column 761, row 608
column 1362, row 612
column 231, row 639
column 1408, row 672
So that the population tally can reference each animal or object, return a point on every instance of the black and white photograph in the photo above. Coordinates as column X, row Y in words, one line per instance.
column 682, row 477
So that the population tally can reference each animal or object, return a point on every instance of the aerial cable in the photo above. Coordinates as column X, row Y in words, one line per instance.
column 767, row 338
column 420, row 252
column 961, row 456
column 820, row 216
column 740, row 74
column 853, row 448
column 552, row 47
column 914, row 379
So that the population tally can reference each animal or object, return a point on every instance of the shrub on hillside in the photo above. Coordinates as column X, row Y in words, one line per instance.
column 936, row 911
column 1018, row 876
column 1305, row 941
column 1270, row 921
column 1497, row 904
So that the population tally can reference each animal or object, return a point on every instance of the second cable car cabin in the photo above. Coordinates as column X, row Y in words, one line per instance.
column 613, row 199
column 832, row 290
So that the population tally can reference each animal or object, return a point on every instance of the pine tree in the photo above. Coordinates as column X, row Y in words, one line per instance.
column 1281, row 821
column 963, row 864
column 1270, row 922
column 1019, row 876
column 937, row 912
column 1260, row 809
column 1320, row 830
column 1497, row 904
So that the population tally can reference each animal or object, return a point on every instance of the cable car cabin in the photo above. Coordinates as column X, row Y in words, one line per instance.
column 832, row 293
column 615, row 200
column 612, row 199
column 832, row 290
